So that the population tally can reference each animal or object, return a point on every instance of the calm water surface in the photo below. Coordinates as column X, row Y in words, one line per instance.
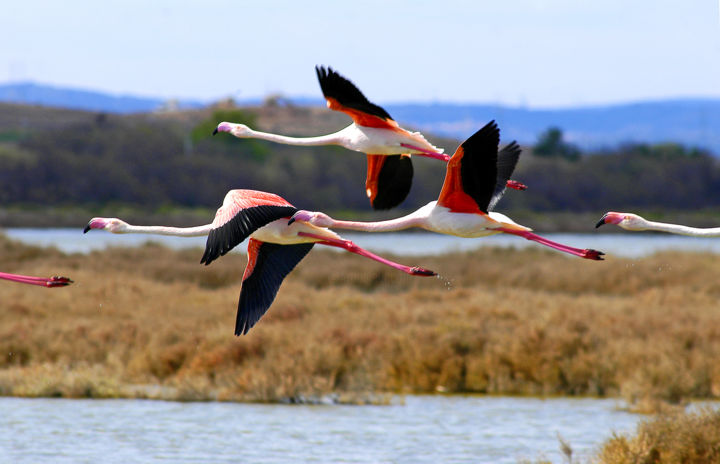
column 422, row 429
column 631, row 245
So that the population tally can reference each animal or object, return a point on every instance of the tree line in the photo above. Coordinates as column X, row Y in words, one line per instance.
column 156, row 162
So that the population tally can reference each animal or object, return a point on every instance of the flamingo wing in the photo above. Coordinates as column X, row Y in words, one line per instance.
column 242, row 213
column 388, row 181
column 471, row 174
column 342, row 95
column 506, row 162
column 268, row 265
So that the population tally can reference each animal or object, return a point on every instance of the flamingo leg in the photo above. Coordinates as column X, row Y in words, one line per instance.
column 55, row 281
column 353, row 248
column 583, row 253
column 428, row 153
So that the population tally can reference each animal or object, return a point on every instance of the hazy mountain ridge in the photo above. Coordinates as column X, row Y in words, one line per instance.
column 692, row 122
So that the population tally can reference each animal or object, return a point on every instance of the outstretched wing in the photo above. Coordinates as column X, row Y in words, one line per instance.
column 471, row 173
column 268, row 265
column 388, row 181
column 242, row 213
column 342, row 95
column 507, row 160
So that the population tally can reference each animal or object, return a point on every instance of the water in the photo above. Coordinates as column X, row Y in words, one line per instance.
column 425, row 429
column 630, row 245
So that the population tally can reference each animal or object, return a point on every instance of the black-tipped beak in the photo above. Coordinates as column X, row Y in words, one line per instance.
column 292, row 219
column 215, row 131
column 86, row 229
column 601, row 221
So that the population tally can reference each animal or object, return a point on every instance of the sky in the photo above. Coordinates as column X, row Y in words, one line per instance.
column 528, row 53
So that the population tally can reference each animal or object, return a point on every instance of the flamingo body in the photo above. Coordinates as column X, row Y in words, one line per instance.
column 373, row 132
column 475, row 180
column 274, row 249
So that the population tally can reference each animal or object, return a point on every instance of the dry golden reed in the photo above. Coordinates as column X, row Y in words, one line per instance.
column 690, row 438
column 152, row 322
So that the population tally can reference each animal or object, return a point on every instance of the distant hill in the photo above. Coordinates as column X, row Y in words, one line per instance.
column 38, row 94
column 690, row 122
column 693, row 122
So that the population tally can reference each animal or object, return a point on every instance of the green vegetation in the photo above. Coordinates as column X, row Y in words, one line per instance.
column 148, row 163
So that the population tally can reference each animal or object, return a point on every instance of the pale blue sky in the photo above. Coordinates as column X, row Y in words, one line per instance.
column 536, row 53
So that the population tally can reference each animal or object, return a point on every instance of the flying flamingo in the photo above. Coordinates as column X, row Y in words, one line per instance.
column 274, row 249
column 633, row 222
column 373, row 131
column 50, row 282
column 474, row 181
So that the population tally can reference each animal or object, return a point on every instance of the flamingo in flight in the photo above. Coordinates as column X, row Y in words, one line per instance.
column 633, row 222
column 475, row 180
column 50, row 282
column 274, row 249
column 387, row 145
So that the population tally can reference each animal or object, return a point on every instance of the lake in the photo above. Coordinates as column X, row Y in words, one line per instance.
column 419, row 429
column 629, row 245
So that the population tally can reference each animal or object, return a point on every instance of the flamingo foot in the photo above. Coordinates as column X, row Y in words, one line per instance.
column 595, row 255
column 513, row 184
column 419, row 271
column 58, row 281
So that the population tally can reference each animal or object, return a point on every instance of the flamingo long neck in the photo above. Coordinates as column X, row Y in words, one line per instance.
column 330, row 139
column 391, row 225
column 682, row 230
column 164, row 230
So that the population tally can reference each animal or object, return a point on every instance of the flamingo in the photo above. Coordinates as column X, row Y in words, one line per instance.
column 50, row 282
column 274, row 249
column 475, row 180
column 633, row 222
column 373, row 131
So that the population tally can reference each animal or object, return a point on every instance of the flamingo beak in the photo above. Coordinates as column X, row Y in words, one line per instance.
column 222, row 127
column 610, row 218
column 95, row 223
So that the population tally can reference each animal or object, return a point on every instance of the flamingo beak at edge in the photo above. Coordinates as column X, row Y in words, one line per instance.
column 222, row 127
column 610, row 218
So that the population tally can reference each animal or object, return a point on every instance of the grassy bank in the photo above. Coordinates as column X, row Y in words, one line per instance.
column 151, row 322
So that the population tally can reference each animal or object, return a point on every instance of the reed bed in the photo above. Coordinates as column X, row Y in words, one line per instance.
column 151, row 322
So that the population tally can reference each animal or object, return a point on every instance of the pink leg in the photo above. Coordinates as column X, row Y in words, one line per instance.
column 428, row 153
column 55, row 281
column 586, row 253
column 351, row 247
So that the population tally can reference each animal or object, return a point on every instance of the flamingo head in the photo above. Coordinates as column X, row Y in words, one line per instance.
column 315, row 218
column 627, row 221
column 238, row 130
column 114, row 225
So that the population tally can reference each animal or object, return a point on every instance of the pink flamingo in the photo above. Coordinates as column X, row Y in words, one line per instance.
column 634, row 222
column 373, row 131
column 50, row 282
column 474, row 181
column 274, row 249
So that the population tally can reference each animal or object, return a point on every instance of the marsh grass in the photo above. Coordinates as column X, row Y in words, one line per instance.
column 152, row 322
column 690, row 438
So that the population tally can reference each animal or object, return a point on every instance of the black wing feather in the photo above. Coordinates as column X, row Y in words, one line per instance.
column 235, row 231
column 479, row 168
column 273, row 263
column 394, row 182
column 335, row 86
column 507, row 160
